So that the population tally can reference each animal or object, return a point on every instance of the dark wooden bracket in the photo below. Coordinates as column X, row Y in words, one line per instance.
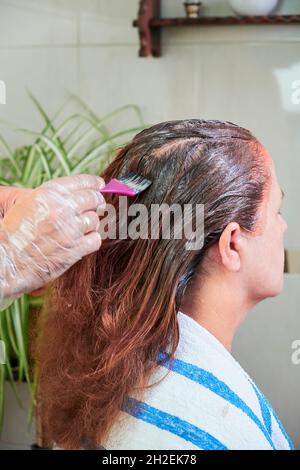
column 150, row 42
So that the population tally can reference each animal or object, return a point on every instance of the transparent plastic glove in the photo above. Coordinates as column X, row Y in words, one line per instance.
column 8, row 197
column 46, row 231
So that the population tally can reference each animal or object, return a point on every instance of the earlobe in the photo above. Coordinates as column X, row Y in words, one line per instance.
column 229, row 247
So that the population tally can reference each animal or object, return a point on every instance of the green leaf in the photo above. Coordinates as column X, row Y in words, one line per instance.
column 49, row 122
column 2, row 394
column 92, row 156
column 11, row 157
column 62, row 158
column 29, row 165
column 21, row 340
column 11, row 337
column 44, row 160
column 5, row 182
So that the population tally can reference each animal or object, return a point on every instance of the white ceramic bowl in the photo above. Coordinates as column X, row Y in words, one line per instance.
column 253, row 7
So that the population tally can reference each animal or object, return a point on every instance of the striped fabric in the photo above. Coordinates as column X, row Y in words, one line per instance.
column 205, row 401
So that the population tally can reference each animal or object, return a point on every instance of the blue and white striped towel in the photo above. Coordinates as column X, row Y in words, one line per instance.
column 207, row 401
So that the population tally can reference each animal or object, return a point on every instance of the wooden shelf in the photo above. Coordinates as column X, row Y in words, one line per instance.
column 225, row 20
column 149, row 24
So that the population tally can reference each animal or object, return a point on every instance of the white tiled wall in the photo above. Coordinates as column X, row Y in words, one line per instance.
column 240, row 73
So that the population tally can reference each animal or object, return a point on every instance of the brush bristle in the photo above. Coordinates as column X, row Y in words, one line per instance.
column 137, row 183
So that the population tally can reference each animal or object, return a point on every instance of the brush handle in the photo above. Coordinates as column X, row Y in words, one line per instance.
column 116, row 187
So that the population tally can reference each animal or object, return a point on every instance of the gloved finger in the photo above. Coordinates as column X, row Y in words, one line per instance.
column 88, row 200
column 77, row 182
column 89, row 222
column 90, row 243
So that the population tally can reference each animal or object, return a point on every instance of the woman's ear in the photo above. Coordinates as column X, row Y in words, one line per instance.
column 230, row 247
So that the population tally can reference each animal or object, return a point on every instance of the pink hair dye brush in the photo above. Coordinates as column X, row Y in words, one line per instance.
column 131, row 184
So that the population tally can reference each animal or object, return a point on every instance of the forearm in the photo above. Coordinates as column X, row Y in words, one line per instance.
column 8, row 289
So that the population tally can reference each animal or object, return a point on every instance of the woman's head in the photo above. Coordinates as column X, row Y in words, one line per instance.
column 107, row 319
column 250, row 262
column 257, row 259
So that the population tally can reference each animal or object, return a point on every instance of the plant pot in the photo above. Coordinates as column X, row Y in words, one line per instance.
column 253, row 7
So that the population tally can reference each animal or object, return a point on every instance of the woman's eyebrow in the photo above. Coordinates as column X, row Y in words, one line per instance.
column 282, row 194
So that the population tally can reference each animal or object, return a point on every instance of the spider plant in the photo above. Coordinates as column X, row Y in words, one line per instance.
column 82, row 142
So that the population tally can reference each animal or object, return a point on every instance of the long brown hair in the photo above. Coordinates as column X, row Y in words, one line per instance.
column 106, row 320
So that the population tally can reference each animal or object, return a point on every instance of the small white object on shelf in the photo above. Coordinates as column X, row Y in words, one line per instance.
column 192, row 8
column 253, row 7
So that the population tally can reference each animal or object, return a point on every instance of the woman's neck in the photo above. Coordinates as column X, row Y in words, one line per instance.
column 219, row 305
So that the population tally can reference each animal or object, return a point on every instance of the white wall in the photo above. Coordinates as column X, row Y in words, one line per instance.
column 18, row 431
column 242, row 74
column 263, row 346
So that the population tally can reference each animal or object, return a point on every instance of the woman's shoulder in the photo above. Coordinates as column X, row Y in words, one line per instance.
column 200, row 399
